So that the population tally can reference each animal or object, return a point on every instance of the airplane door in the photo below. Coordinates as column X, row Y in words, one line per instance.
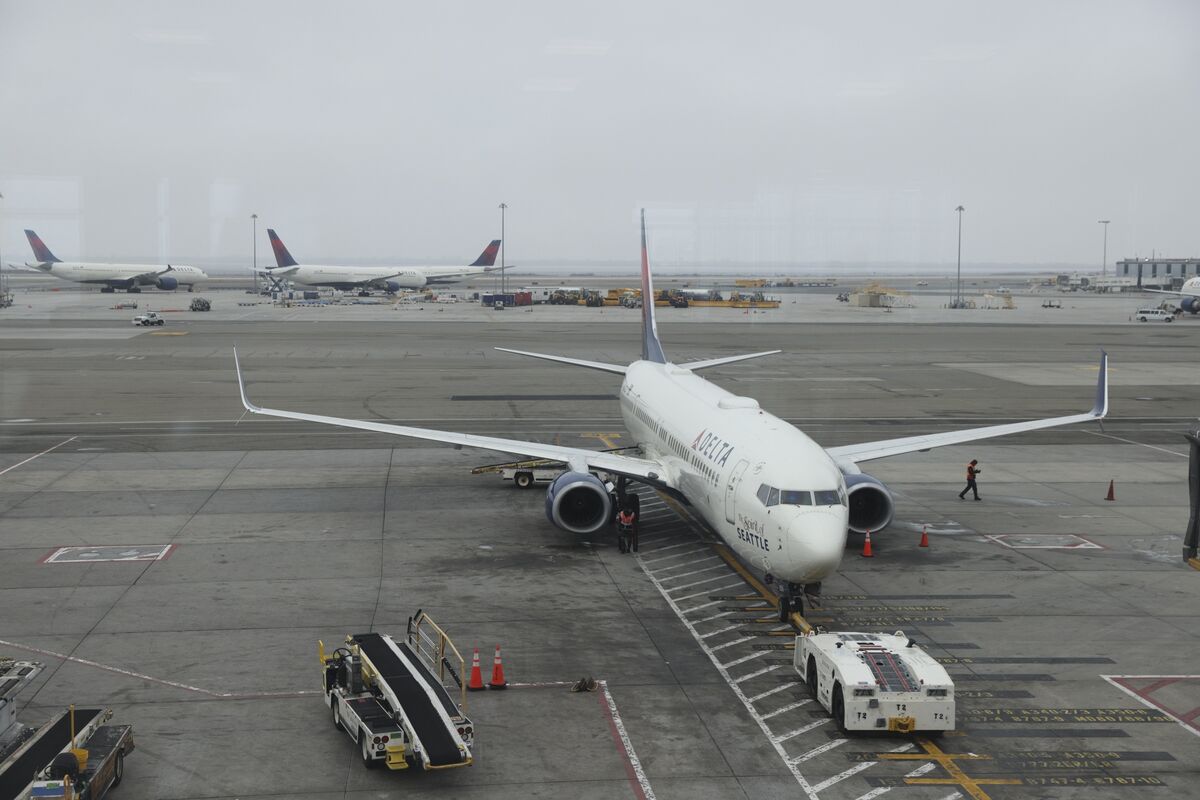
column 735, row 479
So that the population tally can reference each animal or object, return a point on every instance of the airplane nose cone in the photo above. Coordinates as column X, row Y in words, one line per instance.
column 816, row 544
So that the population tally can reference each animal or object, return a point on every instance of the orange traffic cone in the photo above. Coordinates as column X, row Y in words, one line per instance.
column 475, row 684
column 867, row 547
column 1111, row 495
column 924, row 536
column 497, row 681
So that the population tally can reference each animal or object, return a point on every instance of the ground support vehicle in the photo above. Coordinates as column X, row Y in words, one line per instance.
column 876, row 681
column 524, row 474
column 200, row 304
column 149, row 319
column 1154, row 315
column 91, row 765
column 395, row 699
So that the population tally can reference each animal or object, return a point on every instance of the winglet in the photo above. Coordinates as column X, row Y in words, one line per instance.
column 651, row 347
column 1100, row 409
column 242, row 384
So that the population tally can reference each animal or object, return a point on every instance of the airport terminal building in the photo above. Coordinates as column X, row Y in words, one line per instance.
column 1159, row 273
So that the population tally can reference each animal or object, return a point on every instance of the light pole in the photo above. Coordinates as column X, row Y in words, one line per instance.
column 254, row 248
column 503, row 277
column 2, row 293
column 958, row 301
column 1104, row 259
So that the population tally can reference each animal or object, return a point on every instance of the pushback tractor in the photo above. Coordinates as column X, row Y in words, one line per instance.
column 876, row 682
column 402, row 702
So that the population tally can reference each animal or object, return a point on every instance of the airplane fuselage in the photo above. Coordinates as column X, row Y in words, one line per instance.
column 723, row 449
column 119, row 275
column 346, row 278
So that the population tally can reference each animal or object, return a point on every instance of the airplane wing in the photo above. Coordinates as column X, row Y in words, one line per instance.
column 869, row 451
column 577, row 458
column 152, row 274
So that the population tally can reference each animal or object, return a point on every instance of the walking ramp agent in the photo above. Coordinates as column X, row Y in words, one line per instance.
column 396, row 699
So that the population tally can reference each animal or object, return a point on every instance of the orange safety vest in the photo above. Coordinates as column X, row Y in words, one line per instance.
column 970, row 472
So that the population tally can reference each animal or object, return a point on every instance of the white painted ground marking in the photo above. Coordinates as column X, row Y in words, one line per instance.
column 687, row 564
column 768, row 693
column 745, row 678
column 714, row 616
column 696, row 572
column 1131, row 441
column 697, row 583
column 1149, row 703
column 672, row 547
column 705, row 605
column 802, row 781
column 786, row 708
column 921, row 770
column 744, row 659
column 719, row 631
column 816, row 751
column 783, row 737
column 143, row 677
column 841, row 776
column 701, row 594
column 627, row 743
column 731, row 643
column 39, row 455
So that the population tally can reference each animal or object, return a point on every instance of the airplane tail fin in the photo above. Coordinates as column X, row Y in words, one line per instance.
column 282, row 257
column 488, row 257
column 40, row 251
column 651, row 347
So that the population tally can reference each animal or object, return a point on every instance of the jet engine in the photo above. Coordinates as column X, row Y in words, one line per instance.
column 871, row 504
column 1190, row 304
column 578, row 502
column 166, row 282
column 393, row 287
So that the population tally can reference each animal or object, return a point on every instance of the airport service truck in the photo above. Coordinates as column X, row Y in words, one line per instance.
column 876, row 682
column 148, row 319
column 394, row 698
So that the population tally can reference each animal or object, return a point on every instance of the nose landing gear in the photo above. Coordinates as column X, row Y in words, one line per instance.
column 791, row 599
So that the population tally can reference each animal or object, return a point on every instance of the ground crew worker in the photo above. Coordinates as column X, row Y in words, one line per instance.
column 972, row 471
column 626, row 532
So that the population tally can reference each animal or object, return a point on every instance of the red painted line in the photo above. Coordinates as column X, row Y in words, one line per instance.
column 612, row 728
column 1191, row 715
column 1154, row 687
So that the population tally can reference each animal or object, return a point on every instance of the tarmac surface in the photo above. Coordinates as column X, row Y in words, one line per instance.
column 1068, row 622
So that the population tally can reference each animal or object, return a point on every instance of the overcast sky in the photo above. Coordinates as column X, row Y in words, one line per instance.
column 754, row 134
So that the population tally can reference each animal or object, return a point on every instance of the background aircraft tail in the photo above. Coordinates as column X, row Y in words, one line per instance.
column 40, row 251
column 488, row 257
column 282, row 257
column 651, row 347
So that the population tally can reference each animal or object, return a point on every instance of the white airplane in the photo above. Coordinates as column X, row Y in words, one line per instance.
column 782, row 502
column 130, row 277
column 388, row 279
column 1188, row 294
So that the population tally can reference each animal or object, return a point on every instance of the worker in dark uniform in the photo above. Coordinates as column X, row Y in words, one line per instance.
column 972, row 471
column 625, row 530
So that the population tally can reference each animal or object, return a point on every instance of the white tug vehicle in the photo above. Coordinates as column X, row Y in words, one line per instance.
column 876, row 682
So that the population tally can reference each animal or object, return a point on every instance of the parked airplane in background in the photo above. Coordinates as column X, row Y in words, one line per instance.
column 782, row 502
column 110, row 277
column 388, row 279
column 1188, row 294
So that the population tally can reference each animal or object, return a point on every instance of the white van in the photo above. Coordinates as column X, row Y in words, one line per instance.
column 1154, row 315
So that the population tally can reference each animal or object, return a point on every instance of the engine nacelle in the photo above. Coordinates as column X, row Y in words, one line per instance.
column 393, row 287
column 1190, row 304
column 871, row 504
column 578, row 502
column 166, row 282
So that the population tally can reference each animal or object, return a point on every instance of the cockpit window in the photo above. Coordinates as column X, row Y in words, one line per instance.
column 763, row 491
column 831, row 497
column 793, row 497
column 773, row 497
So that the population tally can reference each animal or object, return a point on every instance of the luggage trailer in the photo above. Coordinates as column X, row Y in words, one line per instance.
column 876, row 681
column 394, row 698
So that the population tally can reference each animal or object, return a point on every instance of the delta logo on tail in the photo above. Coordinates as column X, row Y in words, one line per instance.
column 282, row 257
column 40, row 251
column 488, row 257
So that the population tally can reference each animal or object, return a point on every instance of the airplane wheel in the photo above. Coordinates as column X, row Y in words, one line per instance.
column 785, row 608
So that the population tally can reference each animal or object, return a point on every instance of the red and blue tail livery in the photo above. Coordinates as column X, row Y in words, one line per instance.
column 40, row 251
column 488, row 257
column 282, row 257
